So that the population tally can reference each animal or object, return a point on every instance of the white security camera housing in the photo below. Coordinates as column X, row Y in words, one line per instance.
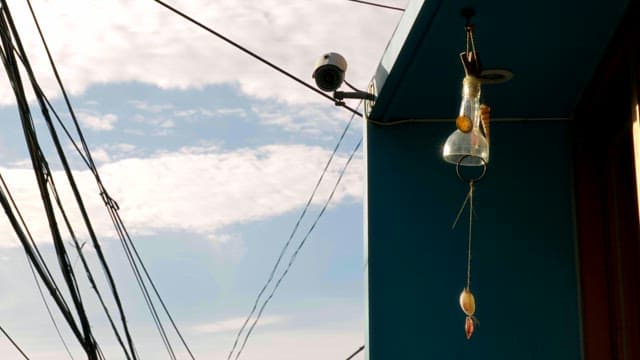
column 329, row 71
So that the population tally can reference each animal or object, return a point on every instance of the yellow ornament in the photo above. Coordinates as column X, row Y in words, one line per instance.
column 467, row 302
column 464, row 124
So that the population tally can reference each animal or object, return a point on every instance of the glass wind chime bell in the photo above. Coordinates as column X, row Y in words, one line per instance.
column 468, row 145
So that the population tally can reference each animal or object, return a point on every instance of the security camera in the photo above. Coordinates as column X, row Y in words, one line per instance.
column 329, row 71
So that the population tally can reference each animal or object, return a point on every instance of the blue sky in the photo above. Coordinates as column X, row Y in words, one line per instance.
column 211, row 156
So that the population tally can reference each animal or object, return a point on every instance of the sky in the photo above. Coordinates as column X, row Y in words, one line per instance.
column 211, row 157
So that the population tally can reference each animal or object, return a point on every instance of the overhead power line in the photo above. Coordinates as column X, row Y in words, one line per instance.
column 14, row 343
column 297, row 250
column 123, row 234
column 42, row 173
column 46, row 305
column 5, row 188
column 356, row 353
column 377, row 5
column 257, row 57
column 293, row 232
column 113, row 209
column 83, row 211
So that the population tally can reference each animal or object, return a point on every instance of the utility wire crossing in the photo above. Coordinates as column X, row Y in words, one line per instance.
column 377, row 5
column 356, row 353
column 257, row 57
column 293, row 257
column 14, row 343
column 11, row 44
column 130, row 250
column 286, row 246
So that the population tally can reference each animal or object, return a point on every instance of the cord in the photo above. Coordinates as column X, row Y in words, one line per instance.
column 33, row 272
column 356, row 353
column 39, row 263
column 46, row 305
column 293, row 232
column 377, row 5
column 118, row 223
column 256, row 56
column 442, row 120
column 7, row 28
column 14, row 343
column 80, row 202
column 295, row 253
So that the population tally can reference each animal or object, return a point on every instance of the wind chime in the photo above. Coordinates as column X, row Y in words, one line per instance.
column 468, row 146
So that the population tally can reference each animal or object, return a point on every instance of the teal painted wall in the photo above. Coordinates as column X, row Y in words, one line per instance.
column 524, row 261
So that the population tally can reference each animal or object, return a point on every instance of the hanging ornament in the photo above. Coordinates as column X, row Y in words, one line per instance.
column 471, row 136
column 468, row 145
column 468, row 305
column 467, row 300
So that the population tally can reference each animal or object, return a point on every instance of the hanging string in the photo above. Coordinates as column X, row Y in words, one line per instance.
column 470, row 197
column 467, row 200
column 467, row 301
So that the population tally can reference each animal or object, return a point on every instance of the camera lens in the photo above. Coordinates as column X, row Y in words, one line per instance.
column 329, row 78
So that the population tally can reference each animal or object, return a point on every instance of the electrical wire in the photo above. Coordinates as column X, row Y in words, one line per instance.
column 6, row 29
column 81, row 206
column 33, row 272
column 4, row 189
column 113, row 207
column 33, row 258
column 14, row 343
column 291, row 235
column 88, row 159
column 297, row 250
column 293, row 232
column 377, row 5
column 88, row 273
column 356, row 353
column 32, row 244
column 118, row 223
column 44, row 176
column 445, row 120
column 46, row 305
column 257, row 57
column 109, row 202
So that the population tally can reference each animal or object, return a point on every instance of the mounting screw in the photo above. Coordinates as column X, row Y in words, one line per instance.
column 468, row 13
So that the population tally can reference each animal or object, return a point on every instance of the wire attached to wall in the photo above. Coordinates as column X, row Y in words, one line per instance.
column 14, row 343
column 256, row 56
column 335, row 101
column 356, row 353
column 292, row 234
column 377, row 5
column 300, row 245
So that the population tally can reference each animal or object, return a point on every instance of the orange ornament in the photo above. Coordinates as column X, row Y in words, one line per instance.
column 464, row 124
column 468, row 327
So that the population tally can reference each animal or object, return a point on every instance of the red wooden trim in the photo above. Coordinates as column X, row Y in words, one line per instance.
column 607, row 217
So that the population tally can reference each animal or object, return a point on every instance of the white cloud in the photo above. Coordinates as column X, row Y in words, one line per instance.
column 111, row 152
column 239, row 112
column 313, row 119
column 97, row 42
column 198, row 190
column 221, row 112
column 233, row 325
column 152, row 108
column 98, row 122
column 100, row 155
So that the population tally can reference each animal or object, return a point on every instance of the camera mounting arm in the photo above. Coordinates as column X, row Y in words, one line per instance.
column 355, row 94
column 340, row 95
